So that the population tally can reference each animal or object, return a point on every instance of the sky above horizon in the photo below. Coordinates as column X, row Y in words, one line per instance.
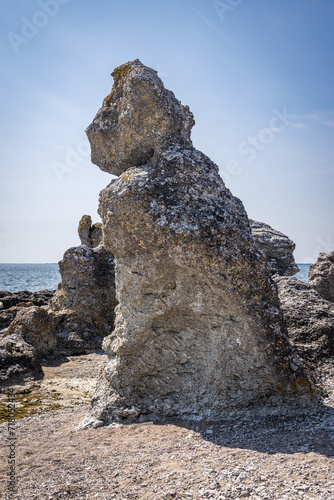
column 258, row 77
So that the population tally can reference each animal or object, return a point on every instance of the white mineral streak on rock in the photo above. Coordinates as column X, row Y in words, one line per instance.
column 198, row 328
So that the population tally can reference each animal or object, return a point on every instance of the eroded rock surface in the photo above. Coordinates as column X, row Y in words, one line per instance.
column 309, row 320
column 36, row 327
column 84, row 302
column 18, row 360
column 277, row 247
column 321, row 276
column 135, row 118
column 198, row 328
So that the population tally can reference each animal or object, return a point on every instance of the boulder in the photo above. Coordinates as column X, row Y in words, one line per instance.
column 12, row 303
column 277, row 247
column 18, row 361
column 198, row 331
column 90, row 234
column 84, row 303
column 309, row 320
column 36, row 327
column 321, row 276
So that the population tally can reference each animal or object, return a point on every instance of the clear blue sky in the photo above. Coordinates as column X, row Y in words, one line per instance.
column 258, row 76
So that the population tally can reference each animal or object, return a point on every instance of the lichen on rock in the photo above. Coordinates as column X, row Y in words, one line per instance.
column 198, row 332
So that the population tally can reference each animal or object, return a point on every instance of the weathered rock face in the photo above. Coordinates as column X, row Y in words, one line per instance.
column 198, row 327
column 277, row 247
column 309, row 319
column 90, row 234
column 321, row 276
column 84, row 302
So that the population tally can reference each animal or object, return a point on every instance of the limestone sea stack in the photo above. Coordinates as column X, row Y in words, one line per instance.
column 199, row 332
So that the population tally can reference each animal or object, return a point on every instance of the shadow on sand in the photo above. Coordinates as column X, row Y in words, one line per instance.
column 313, row 432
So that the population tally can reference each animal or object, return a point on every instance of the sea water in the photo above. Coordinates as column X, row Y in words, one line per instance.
column 31, row 277
column 303, row 272
column 34, row 277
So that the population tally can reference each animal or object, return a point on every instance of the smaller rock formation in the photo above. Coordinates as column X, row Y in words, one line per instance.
column 309, row 320
column 90, row 234
column 321, row 276
column 277, row 247
column 84, row 302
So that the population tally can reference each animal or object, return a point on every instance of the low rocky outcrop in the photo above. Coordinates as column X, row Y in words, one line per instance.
column 72, row 320
column 35, row 325
column 309, row 320
column 13, row 302
column 277, row 247
column 90, row 234
column 321, row 276
column 22, row 335
column 18, row 360
column 198, row 331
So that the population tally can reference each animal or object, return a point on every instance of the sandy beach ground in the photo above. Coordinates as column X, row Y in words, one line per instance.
column 260, row 458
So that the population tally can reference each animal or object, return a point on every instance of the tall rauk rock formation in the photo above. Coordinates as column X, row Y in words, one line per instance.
column 198, row 327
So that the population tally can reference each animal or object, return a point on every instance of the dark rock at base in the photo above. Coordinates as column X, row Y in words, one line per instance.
column 71, row 320
column 277, row 247
column 321, row 276
column 10, row 299
column 18, row 361
column 13, row 302
column 309, row 320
